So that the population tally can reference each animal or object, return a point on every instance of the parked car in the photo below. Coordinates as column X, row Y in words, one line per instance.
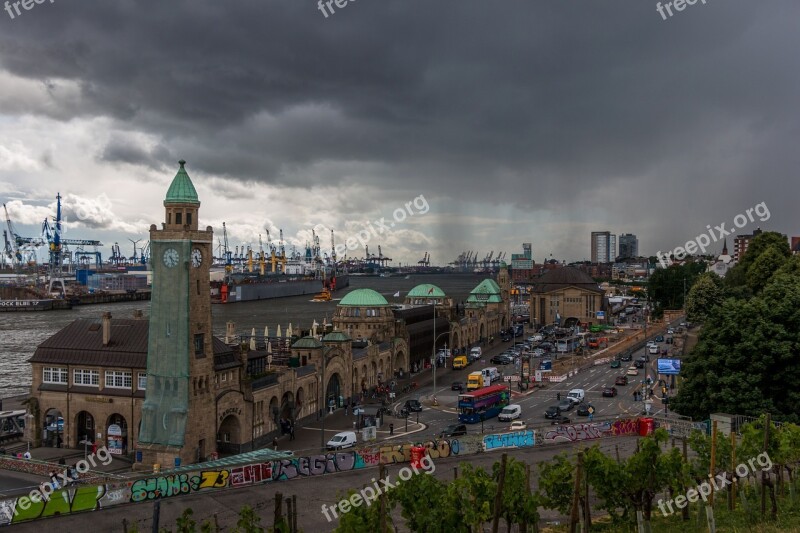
column 632, row 371
column 501, row 360
column 609, row 392
column 583, row 409
column 413, row 406
column 565, row 405
column 616, row 363
column 453, row 430
column 561, row 419
column 518, row 425
column 621, row 380
column 552, row 412
column 345, row 439
column 457, row 385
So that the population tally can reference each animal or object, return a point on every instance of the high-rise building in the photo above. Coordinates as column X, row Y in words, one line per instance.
column 604, row 247
column 740, row 244
column 628, row 246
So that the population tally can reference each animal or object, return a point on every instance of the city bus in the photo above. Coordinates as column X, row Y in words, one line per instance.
column 567, row 344
column 482, row 404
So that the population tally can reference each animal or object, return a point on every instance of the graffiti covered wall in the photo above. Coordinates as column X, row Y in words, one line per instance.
column 518, row 439
column 591, row 431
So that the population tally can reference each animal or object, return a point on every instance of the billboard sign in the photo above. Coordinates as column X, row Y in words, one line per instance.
column 601, row 315
column 669, row 367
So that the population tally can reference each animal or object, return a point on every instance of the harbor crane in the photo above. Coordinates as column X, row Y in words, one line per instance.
column 226, row 250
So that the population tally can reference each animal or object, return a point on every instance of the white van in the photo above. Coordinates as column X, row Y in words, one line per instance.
column 345, row 439
column 475, row 353
column 653, row 349
column 491, row 373
column 576, row 396
column 509, row 413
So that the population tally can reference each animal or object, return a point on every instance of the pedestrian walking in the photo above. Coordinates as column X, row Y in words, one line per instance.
column 558, row 396
column 275, row 443
column 347, row 409
column 291, row 432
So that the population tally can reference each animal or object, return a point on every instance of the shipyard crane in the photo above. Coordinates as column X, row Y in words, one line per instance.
column 12, row 246
column 226, row 250
column 333, row 250
column 273, row 259
column 144, row 257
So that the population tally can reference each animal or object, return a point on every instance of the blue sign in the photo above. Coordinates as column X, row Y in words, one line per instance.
column 669, row 367
column 601, row 315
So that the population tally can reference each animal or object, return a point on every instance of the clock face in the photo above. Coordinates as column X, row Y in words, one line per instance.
column 197, row 257
column 171, row 257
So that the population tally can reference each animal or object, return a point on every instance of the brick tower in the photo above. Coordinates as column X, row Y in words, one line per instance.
column 178, row 412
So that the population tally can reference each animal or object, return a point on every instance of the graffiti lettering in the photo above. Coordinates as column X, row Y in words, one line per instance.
column 314, row 465
column 435, row 449
column 162, row 486
column 213, row 479
column 575, row 432
column 62, row 502
column 250, row 474
column 519, row 439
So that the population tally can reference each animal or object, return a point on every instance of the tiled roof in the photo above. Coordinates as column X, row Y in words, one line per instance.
column 363, row 298
column 564, row 277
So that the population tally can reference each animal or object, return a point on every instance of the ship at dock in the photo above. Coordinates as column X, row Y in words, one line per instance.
column 247, row 275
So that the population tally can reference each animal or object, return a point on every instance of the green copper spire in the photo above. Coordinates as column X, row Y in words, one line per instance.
column 181, row 191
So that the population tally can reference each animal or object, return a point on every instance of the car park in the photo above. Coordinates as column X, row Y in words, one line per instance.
column 518, row 425
column 633, row 371
column 413, row 406
column 457, row 385
column 621, row 380
column 609, row 392
column 453, row 430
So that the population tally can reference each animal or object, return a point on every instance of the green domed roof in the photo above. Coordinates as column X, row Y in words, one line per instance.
column 181, row 191
column 426, row 290
column 307, row 342
column 503, row 264
column 336, row 336
column 363, row 298
column 488, row 291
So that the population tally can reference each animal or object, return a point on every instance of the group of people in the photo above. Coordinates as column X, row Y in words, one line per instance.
column 287, row 428
column 640, row 395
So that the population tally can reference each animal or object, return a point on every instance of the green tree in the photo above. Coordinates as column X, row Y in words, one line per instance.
column 519, row 504
column 473, row 494
column 249, row 521
column 651, row 471
column 762, row 268
column 185, row 523
column 705, row 296
column 609, row 480
column 415, row 497
column 666, row 286
column 556, row 483
column 365, row 518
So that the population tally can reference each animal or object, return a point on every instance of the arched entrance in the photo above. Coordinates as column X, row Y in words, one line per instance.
column 117, row 434
column 53, row 428
column 274, row 411
column 571, row 322
column 84, row 429
column 287, row 406
column 228, row 435
column 333, row 392
column 399, row 362
column 481, row 332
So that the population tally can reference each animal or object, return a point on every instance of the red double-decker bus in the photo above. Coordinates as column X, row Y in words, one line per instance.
column 482, row 404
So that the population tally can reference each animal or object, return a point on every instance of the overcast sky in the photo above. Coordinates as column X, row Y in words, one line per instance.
column 517, row 121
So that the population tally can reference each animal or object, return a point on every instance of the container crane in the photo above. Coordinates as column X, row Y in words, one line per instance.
column 226, row 250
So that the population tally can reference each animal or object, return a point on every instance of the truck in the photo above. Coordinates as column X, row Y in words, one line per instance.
column 477, row 380
column 491, row 374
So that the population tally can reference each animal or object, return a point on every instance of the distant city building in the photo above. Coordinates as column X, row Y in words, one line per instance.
column 567, row 297
column 723, row 263
column 741, row 242
column 604, row 247
column 522, row 265
column 795, row 245
column 628, row 246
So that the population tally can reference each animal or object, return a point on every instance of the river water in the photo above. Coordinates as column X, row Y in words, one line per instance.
column 21, row 333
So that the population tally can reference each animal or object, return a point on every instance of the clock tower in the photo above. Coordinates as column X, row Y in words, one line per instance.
column 178, row 411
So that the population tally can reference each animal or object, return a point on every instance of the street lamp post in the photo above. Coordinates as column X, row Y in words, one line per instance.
column 433, row 360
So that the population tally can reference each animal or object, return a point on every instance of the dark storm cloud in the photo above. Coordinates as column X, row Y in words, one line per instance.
column 532, row 103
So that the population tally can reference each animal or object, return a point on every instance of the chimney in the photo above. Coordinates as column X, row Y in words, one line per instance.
column 138, row 314
column 106, row 328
